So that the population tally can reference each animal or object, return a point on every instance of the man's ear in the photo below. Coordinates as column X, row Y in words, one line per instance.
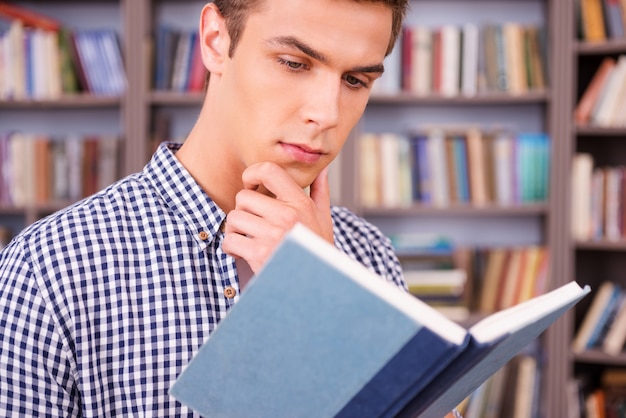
column 214, row 39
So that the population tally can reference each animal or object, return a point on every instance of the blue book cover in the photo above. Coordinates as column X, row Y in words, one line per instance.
column 495, row 340
column 317, row 334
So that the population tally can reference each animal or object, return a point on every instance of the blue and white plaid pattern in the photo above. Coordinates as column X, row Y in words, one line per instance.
column 103, row 303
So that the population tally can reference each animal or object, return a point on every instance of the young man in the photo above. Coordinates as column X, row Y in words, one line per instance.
column 105, row 302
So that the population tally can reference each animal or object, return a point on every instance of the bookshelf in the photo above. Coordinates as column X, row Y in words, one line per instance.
column 134, row 115
column 596, row 259
column 491, row 225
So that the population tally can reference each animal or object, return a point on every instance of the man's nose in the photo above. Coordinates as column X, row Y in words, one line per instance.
column 322, row 105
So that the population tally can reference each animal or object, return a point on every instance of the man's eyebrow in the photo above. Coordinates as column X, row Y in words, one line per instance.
column 294, row 42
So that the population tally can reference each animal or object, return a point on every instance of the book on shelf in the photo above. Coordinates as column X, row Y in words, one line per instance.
column 582, row 169
column 522, row 385
column 347, row 343
column 436, row 155
column 422, row 187
column 503, row 162
column 470, row 70
column 421, row 245
column 604, row 99
column 613, row 341
column 592, row 20
column 597, row 319
column 370, row 173
column 606, row 111
column 584, row 107
column 450, row 60
column 419, row 62
column 476, row 157
column 533, row 52
column 614, row 18
column 28, row 17
column 513, row 34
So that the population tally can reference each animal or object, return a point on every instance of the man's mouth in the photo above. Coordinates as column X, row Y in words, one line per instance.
column 302, row 153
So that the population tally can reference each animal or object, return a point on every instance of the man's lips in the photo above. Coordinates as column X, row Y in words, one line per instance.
column 302, row 153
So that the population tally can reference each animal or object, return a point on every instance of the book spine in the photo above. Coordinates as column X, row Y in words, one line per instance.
column 402, row 377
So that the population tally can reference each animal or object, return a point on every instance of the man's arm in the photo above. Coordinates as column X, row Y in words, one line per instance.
column 35, row 377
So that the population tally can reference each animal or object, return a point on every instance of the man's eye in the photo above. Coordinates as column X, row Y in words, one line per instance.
column 355, row 82
column 292, row 65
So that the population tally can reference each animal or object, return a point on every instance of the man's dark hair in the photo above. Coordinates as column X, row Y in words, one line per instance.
column 235, row 13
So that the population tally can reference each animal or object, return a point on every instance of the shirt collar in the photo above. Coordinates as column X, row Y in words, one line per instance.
column 182, row 195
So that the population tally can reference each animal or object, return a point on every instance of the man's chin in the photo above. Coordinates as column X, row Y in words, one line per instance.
column 302, row 179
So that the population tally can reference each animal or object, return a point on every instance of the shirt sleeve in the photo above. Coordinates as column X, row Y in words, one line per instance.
column 35, row 377
column 365, row 243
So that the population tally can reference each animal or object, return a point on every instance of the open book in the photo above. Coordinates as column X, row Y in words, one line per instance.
column 316, row 334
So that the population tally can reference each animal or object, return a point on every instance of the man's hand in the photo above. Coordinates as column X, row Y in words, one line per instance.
column 270, row 204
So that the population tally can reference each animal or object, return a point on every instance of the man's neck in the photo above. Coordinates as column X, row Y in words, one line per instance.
column 210, row 166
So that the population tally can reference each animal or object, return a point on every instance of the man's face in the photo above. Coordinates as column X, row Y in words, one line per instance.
column 299, row 81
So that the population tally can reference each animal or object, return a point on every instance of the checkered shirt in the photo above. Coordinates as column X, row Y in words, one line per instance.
column 103, row 303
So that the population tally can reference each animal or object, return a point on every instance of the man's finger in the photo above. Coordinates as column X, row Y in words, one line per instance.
column 320, row 191
column 271, row 177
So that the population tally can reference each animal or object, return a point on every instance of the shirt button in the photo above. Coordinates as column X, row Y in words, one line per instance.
column 229, row 292
column 203, row 235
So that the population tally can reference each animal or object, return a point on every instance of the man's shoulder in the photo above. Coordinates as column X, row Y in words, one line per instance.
column 349, row 222
column 366, row 243
column 354, row 233
column 103, row 207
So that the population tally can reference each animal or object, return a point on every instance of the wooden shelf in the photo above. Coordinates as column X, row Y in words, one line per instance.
column 601, row 358
column 176, row 98
column 534, row 209
column 600, row 131
column 481, row 99
column 601, row 245
column 601, row 48
column 65, row 102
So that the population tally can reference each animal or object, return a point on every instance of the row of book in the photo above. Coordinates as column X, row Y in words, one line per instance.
column 598, row 200
column 599, row 20
column 467, row 60
column 42, row 59
column 458, row 280
column 601, row 397
column 512, row 392
column 513, row 275
column 437, row 272
column 604, row 99
column 38, row 169
column 603, row 326
column 443, row 167
column 177, row 62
